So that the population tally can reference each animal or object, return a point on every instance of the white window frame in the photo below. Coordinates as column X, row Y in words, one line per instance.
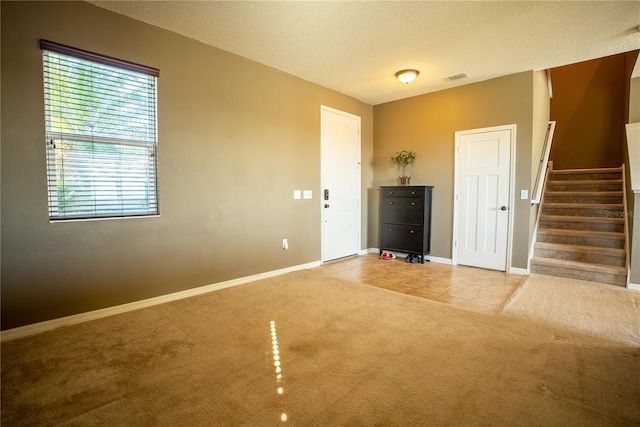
column 101, row 135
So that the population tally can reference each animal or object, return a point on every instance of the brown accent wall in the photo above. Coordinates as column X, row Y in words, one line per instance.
column 427, row 124
column 588, row 106
column 235, row 139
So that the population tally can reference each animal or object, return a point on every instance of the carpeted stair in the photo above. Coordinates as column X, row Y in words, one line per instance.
column 581, row 229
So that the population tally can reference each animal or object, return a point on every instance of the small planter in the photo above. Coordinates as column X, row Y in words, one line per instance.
column 402, row 159
column 405, row 180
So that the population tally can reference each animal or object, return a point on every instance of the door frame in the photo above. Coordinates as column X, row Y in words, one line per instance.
column 324, row 108
column 512, row 178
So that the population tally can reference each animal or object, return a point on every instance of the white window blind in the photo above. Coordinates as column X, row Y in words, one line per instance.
column 101, row 135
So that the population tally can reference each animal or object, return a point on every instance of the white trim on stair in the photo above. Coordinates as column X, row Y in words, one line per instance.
column 627, row 250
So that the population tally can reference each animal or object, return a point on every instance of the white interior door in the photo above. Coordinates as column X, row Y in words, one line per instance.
column 483, row 180
column 340, row 196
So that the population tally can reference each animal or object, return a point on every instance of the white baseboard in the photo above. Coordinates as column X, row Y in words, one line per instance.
column 48, row 325
column 519, row 271
column 634, row 286
column 439, row 260
column 369, row 251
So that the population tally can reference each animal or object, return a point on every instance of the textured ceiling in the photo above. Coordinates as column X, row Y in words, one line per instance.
column 356, row 47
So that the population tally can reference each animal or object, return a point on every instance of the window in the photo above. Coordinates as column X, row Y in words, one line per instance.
column 101, row 135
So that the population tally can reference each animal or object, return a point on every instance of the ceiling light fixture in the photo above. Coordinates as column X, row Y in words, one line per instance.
column 407, row 76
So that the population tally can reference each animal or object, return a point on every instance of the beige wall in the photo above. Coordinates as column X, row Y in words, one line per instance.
column 541, row 108
column 235, row 139
column 634, row 100
column 633, row 212
column 633, row 200
column 427, row 125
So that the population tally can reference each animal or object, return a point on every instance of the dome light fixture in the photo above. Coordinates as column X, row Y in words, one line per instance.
column 407, row 76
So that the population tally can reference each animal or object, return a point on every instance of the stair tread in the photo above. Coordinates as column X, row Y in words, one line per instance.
column 584, row 206
column 587, row 233
column 587, row 181
column 584, row 193
column 577, row 265
column 596, row 170
column 544, row 217
column 579, row 248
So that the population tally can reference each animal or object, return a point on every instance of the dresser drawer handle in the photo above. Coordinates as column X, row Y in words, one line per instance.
column 391, row 229
column 412, row 231
column 413, row 193
column 390, row 192
column 390, row 203
column 413, row 203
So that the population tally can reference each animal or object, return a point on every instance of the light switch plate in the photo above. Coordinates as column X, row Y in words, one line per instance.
column 306, row 194
column 524, row 194
column 296, row 194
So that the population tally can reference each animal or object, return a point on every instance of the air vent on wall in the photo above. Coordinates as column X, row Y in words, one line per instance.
column 456, row 77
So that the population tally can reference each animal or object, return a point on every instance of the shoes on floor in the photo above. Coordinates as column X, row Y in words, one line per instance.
column 414, row 259
column 387, row 255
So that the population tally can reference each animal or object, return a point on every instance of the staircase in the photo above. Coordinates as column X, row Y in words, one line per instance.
column 581, row 229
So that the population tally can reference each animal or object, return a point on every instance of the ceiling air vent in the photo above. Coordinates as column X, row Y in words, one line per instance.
column 456, row 77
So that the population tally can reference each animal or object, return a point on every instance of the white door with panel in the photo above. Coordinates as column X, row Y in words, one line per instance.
column 483, row 177
column 340, row 197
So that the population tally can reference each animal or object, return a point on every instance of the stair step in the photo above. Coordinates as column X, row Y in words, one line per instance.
column 589, row 170
column 585, row 185
column 585, row 174
column 613, row 224
column 580, row 209
column 599, row 197
column 595, row 255
column 580, row 270
column 602, row 239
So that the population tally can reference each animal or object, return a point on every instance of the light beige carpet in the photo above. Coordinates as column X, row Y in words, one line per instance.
column 595, row 309
column 349, row 354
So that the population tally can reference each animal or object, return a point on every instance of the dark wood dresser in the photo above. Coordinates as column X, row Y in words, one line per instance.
column 405, row 219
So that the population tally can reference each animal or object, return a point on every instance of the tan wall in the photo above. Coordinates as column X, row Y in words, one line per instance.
column 235, row 139
column 632, row 106
column 634, row 101
column 633, row 212
column 588, row 107
column 427, row 125
column 541, row 114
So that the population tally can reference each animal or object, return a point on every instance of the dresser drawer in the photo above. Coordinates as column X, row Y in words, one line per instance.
column 404, row 238
column 401, row 192
column 404, row 210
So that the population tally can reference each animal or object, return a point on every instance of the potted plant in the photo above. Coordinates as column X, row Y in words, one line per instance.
column 401, row 160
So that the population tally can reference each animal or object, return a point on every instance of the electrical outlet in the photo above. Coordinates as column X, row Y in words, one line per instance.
column 285, row 244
